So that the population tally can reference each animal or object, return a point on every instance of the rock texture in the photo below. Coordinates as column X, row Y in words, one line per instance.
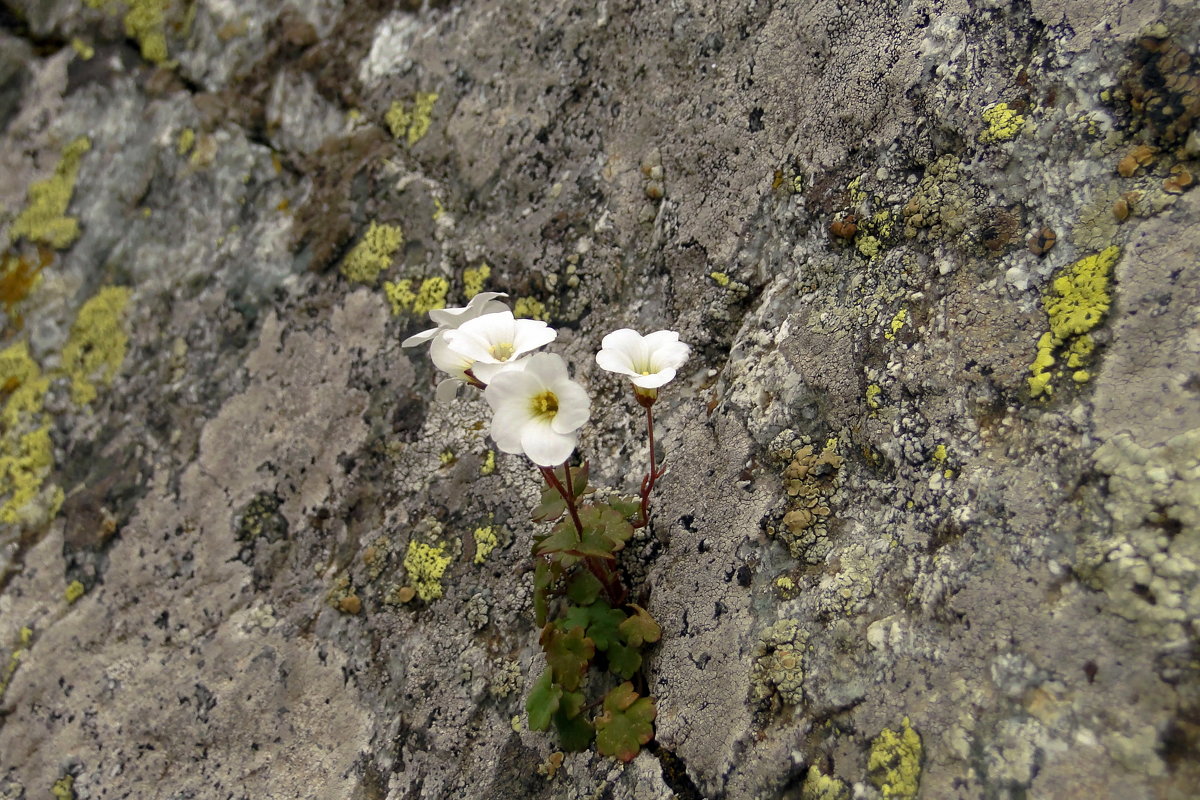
column 932, row 523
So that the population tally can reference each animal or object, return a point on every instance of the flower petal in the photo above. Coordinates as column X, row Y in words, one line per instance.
column 655, row 379
column 447, row 360
column 544, row 446
column 616, row 361
column 420, row 338
column 574, row 407
column 446, row 391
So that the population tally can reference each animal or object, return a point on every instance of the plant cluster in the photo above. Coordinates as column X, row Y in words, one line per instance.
column 580, row 600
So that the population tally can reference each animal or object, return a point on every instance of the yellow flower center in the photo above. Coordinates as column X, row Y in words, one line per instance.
column 502, row 351
column 545, row 404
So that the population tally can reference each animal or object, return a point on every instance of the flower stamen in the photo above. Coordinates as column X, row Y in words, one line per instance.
column 544, row 404
column 502, row 351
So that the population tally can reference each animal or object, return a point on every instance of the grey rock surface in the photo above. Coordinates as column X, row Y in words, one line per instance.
column 932, row 521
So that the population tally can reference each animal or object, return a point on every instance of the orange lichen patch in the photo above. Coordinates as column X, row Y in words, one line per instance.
column 19, row 274
column 1179, row 180
column 1137, row 158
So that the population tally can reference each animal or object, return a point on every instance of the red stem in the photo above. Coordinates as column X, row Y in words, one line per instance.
column 652, row 475
column 597, row 566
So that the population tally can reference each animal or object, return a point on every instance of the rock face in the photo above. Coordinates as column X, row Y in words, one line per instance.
column 932, row 521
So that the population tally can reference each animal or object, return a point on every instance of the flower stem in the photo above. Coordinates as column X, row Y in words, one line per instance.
column 567, row 492
column 652, row 475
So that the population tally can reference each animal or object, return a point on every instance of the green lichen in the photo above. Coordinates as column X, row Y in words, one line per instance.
column 489, row 463
column 1003, row 123
column 96, row 348
column 778, row 674
column 1078, row 302
column 74, row 591
column 485, row 542
column 868, row 245
column 44, row 218
column 817, row 786
column 85, row 50
column 474, row 279
column 411, row 124
column 942, row 205
column 894, row 765
column 425, row 565
column 530, row 308
column 373, row 254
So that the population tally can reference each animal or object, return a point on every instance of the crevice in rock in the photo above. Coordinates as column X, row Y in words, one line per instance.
column 674, row 772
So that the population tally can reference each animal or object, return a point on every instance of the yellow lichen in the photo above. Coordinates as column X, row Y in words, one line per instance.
column 97, row 344
column 1077, row 303
column 187, row 140
column 400, row 295
column 26, row 452
column 64, row 788
column 894, row 765
column 74, row 591
column 898, row 320
column 85, row 50
column 940, row 453
column 1003, row 123
column 868, row 245
column 431, row 295
column 44, row 218
column 485, row 542
column 425, row 565
column 489, row 463
column 873, row 392
column 530, row 308
column 412, row 124
column 817, row 786
column 720, row 278
column 145, row 22
column 373, row 254
column 474, row 279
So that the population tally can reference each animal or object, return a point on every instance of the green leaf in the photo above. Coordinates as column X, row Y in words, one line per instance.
column 567, row 654
column 584, row 588
column 551, row 507
column 579, row 479
column 543, row 701
column 545, row 575
column 603, row 520
column 623, row 660
column 563, row 539
column 628, row 507
column 574, row 732
column 626, row 723
column 600, row 620
column 640, row 628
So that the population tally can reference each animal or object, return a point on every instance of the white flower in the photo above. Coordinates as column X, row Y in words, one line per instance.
column 493, row 340
column 538, row 410
column 448, row 319
column 650, row 360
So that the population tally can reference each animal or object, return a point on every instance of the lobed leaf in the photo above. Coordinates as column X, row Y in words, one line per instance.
column 628, row 507
column 626, row 724
column 600, row 620
column 551, row 507
column 568, row 654
column 584, row 588
column 640, row 627
column 623, row 660
column 574, row 732
column 544, row 700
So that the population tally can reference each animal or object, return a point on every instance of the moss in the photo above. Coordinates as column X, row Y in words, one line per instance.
column 187, row 140
column 872, row 394
column 411, row 124
column 823, row 787
column 96, row 348
column 1003, row 123
column 400, row 295
column 425, row 565
column 530, row 308
column 431, row 295
column 44, row 218
column 474, row 279
column 485, row 542
column 373, row 254
column 1077, row 304
column 898, row 320
column 894, row 765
